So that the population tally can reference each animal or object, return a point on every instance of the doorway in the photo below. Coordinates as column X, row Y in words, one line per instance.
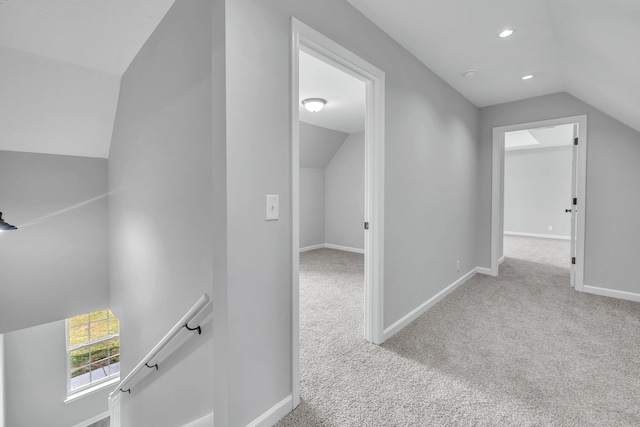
column 309, row 41
column 522, row 137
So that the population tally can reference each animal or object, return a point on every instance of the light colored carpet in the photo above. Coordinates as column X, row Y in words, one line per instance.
column 522, row 349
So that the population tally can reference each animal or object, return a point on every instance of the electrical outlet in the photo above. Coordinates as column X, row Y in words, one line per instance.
column 458, row 266
column 550, row 228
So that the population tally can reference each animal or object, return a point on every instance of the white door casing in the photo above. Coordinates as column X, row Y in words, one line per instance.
column 306, row 39
column 497, row 191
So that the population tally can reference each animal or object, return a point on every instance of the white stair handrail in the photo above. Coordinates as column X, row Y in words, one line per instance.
column 126, row 384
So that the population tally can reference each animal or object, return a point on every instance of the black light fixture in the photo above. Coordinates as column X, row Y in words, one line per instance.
column 4, row 226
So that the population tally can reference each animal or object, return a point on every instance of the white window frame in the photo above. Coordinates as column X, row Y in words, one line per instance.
column 95, row 385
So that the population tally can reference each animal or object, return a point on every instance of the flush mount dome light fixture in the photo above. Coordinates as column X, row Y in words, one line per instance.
column 469, row 73
column 506, row 33
column 4, row 226
column 527, row 77
column 314, row 104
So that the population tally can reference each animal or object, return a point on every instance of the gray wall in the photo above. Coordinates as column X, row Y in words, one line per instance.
column 318, row 145
column 344, row 194
column 537, row 190
column 36, row 378
column 162, row 216
column 612, row 201
column 2, row 384
column 55, row 265
column 312, row 207
column 430, row 184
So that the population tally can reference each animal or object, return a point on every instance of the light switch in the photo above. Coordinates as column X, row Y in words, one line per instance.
column 273, row 207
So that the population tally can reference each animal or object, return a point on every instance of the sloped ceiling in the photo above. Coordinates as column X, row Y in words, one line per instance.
column 345, row 96
column 61, row 60
column 584, row 47
column 60, row 68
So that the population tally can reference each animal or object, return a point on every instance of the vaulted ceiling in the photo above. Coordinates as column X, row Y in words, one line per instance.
column 587, row 48
column 61, row 60
column 60, row 68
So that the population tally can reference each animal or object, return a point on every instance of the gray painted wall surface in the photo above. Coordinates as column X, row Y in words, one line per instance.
column 161, row 212
column 36, row 375
column 318, row 145
column 612, row 201
column 59, row 204
column 430, row 184
column 537, row 190
column 344, row 194
column 312, row 207
column 2, row 383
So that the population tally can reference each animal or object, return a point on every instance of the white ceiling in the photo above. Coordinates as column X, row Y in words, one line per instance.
column 60, row 68
column 584, row 47
column 345, row 96
column 546, row 137
column 61, row 60
column 103, row 35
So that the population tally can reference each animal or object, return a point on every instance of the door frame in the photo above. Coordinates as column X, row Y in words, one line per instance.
column 497, row 189
column 305, row 38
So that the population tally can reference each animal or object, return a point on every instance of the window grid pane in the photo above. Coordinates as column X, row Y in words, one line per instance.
column 93, row 362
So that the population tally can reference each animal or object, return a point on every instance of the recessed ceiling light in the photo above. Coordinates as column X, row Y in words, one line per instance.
column 506, row 33
column 314, row 104
column 469, row 73
column 527, row 77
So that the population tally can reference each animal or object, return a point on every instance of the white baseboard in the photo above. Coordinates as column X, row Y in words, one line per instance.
column 332, row 246
column 206, row 421
column 343, row 248
column 501, row 260
column 543, row 236
column 274, row 414
column 482, row 270
column 92, row 420
column 414, row 314
column 612, row 293
column 312, row 247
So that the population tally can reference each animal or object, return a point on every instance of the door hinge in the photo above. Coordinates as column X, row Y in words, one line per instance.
column 575, row 141
column 366, row 225
column 573, row 260
column 575, row 201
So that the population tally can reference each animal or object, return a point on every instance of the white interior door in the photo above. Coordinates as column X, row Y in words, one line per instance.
column 574, row 208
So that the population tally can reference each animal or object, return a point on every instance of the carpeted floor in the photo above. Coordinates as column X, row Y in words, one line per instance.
column 522, row 349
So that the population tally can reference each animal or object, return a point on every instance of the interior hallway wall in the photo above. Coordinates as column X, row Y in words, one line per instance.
column 162, row 214
column 612, row 204
column 537, row 190
column 344, row 194
column 431, row 133
column 37, row 380
column 55, row 265
column 312, row 207
column 2, row 383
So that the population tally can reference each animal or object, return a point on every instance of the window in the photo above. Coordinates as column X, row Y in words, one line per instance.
column 93, row 349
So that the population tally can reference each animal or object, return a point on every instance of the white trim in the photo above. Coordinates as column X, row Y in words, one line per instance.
column 541, row 236
column 613, row 293
column 207, row 421
column 332, row 246
column 343, row 248
column 497, row 204
column 274, row 414
column 313, row 247
column 485, row 271
column 316, row 44
column 92, row 420
column 91, row 390
column 415, row 313
column 501, row 260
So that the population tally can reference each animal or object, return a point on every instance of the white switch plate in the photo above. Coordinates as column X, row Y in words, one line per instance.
column 273, row 207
